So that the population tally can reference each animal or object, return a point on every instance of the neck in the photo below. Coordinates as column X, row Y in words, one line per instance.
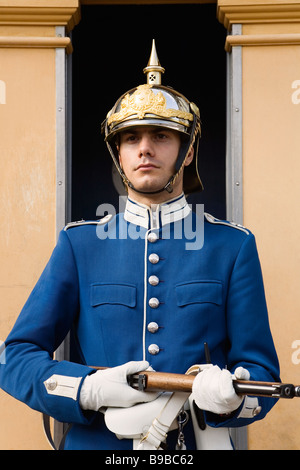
column 150, row 199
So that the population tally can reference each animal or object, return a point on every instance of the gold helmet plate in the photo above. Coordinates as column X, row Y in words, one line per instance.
column 144, row 101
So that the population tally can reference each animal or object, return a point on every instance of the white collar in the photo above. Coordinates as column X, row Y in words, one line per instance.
column 157, row 215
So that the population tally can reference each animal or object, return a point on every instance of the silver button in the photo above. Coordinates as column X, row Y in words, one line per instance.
column 153, row 327
column 256, row 411
column 153, row 349
column 153, row 258
column 152, row 237
column 51, row 384
column 153, row 302
column 153, row 280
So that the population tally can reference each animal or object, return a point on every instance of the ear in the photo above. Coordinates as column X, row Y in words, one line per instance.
column 189, row 157
column 118, row 150
column 120, row 160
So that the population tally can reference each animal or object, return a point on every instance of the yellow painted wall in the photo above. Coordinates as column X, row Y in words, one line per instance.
column 27, row 173
column 27, row 206
column 271, row 191
column 271, row 144
column 28, row 138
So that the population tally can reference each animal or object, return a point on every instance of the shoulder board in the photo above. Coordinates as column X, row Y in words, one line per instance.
column 210, row 218
column 78, row 223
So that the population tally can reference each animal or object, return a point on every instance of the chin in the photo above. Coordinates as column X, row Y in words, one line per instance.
column 148, row 185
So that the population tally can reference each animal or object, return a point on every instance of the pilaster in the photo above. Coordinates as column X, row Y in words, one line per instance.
column 266, row 37
column 34, row 42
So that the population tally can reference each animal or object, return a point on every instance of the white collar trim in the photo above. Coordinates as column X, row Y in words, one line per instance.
column 157, row 215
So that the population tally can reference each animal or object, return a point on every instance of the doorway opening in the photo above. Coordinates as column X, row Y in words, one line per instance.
column 112, row 45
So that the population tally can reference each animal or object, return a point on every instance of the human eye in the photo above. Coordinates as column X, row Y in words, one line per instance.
column 160, row 136
column 130, row 137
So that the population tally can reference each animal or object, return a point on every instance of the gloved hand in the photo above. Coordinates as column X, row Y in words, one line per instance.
column 109, row 387
column 213, row 390
column 241, row 374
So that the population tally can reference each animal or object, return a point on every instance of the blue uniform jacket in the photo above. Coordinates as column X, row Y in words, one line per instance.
column 107, row 281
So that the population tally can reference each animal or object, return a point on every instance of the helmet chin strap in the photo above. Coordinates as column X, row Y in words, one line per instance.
column 168, row 187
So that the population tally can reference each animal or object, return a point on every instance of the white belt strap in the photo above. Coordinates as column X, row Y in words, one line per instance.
column 160, row 426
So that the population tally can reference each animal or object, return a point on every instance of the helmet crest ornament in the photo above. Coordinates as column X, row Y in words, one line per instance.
column 144, row 101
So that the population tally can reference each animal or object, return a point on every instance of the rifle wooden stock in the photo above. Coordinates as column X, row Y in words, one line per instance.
column 159, row 381
column 171, row 382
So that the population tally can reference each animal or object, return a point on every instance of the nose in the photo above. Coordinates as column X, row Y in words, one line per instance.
column 146, row 148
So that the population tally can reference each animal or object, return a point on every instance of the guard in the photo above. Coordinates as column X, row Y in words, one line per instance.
column 146, row 289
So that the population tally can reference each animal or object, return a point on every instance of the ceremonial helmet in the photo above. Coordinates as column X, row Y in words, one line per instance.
column 153, row 104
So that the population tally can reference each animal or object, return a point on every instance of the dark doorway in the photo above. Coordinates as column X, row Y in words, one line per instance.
column 111, row 47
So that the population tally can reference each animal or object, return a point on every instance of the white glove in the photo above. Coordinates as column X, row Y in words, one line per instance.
column 241, row 374
column 109, row 387
column 213, row 390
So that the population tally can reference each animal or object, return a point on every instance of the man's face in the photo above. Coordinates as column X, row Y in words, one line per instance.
column 148, row 156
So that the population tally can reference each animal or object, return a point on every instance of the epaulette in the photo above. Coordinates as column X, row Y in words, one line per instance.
column 213, row 220
column 78, row 223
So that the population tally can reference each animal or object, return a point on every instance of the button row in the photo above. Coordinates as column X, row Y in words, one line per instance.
column 153, row 327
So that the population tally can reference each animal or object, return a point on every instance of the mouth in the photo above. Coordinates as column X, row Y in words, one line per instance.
column 146, row 166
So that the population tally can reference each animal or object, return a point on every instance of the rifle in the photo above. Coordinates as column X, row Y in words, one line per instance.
column 147, row 380
column 169, row 381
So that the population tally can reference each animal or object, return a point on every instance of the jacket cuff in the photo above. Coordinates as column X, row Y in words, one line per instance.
column 249, row 411
column 61, row 390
